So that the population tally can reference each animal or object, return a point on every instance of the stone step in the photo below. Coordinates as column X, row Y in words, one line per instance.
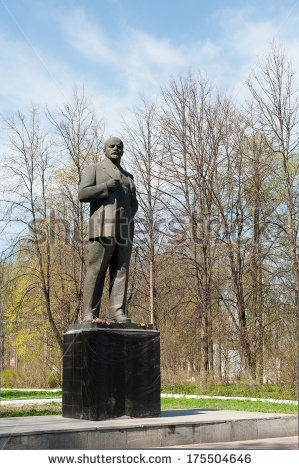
column 173, row 428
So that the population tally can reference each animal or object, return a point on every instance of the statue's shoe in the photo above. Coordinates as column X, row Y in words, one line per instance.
column 121, row 318
column 87, row 319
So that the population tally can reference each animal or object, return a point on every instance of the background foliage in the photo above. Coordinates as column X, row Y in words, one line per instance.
column 214, row 263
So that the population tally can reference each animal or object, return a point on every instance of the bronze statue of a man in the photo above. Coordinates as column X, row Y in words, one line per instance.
column 111, row 192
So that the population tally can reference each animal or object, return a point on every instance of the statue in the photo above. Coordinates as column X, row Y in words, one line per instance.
column 110, row 370
column 111, row 192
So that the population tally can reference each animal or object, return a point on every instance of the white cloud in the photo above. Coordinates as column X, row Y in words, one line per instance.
column 155, row 51
column 87, row 38
column 244, row 39
column 133, row 62
column 26, row 78
column 141, row 60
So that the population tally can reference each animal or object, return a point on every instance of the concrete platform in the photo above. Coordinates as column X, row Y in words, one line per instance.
column 173, row 428
column 274, row 443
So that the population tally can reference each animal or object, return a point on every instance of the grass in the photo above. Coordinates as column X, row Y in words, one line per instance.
column 214, row 404
column 240, row 389
column 12, row 411
column 246, row 389
column 15, row 394
column 8, row 411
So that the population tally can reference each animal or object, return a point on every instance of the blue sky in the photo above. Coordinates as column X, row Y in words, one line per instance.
column 120, row 49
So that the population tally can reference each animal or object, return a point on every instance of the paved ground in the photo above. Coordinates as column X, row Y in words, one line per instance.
column 172, row 395
column 218, row 397
column 173, row 428
column 168, row 417
column 30, row 401
column 49, row 390
column 277, row 443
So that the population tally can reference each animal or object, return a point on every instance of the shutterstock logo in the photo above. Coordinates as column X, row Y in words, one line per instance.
column 167, row 229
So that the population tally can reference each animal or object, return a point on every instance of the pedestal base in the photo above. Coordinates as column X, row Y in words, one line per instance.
column 108, row 373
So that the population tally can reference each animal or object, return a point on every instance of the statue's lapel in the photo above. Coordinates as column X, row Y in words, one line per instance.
column 108, row 168
column 132, row 185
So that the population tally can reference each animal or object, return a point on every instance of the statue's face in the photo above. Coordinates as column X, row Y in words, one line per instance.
column 114, row 149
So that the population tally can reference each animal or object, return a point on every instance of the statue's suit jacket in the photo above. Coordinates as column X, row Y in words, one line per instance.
column 106, row 207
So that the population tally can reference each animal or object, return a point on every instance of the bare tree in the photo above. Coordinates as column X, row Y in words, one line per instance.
column 144, row 146
column 79, row 140
column 273, row 90
column 29, row 166
column 188, row 123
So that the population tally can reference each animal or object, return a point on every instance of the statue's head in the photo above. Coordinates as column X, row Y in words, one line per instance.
column 113, row 149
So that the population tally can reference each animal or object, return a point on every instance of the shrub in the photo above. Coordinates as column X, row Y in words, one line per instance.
column 54, row 380
column 8, row 378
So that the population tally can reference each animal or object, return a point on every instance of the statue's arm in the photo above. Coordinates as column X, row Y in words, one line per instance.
column 88, row 189
column 134, row 205
column 134, row 199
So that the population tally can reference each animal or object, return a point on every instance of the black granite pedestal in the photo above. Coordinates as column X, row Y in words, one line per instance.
column 111, row 371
